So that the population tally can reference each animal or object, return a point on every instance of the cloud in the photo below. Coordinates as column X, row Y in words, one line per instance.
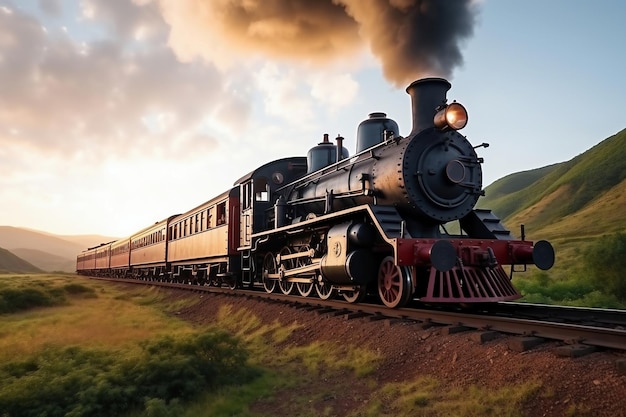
column 50, row 7
column 283, row 94
column 88, row 101
column 220, row 30
column 63, row 96
column 334, row 90
column 96, row 92
column 410, row 38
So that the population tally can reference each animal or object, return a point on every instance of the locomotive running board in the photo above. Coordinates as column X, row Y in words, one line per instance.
column 386, row 219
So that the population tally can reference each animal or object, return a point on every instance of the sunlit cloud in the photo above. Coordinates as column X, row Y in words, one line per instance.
column 334, row 90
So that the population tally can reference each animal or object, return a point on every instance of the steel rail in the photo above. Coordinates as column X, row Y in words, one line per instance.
column 599, row 336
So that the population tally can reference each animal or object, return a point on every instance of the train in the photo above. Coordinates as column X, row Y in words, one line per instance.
column 396, row 220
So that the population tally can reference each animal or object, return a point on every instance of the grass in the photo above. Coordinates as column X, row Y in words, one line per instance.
column 123, row 345
column 426, row 397
column 73, row 381
column 100, row 349
column 262, row 339
column 579, row 278
column 291, row 372
column 108, row 316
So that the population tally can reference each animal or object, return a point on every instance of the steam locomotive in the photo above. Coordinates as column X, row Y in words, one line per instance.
column 396, row 220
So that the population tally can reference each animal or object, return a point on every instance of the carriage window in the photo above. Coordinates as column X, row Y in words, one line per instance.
column 261, row 189
column 221, row 213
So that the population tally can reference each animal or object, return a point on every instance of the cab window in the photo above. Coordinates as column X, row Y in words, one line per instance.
column 261, row 189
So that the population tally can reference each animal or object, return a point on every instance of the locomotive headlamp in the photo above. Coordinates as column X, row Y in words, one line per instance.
column 453, row 116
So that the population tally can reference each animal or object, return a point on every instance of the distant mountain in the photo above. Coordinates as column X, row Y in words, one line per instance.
column 581, row 197
column 47, row 251
column 46, row 261
column 10, row 263
column 83, row 240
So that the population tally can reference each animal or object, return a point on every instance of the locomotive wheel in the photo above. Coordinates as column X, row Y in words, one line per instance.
column 269, row 267
column 285, row 286
column 324, row 291
column 232, row 282
column 304, row 288
column 355, row 296
column 394, row 283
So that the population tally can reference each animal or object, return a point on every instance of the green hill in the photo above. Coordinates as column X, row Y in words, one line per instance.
column 10, row 263
column 578, row 206
column 578, row 198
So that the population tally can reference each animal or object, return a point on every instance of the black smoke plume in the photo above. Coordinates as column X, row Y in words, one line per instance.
column 410, row 38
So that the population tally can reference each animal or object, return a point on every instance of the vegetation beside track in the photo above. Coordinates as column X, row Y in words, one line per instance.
column 117, row 349
column 122, row 352
column 596, row 281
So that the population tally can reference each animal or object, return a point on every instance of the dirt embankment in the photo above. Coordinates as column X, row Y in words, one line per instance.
column 589, row 385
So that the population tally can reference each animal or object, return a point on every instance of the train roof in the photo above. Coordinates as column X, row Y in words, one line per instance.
column 264, row 169
column 231, row 192
column 155, row 225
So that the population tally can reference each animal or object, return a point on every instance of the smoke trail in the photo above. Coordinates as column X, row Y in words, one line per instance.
column 410, row 38
column 414, row 38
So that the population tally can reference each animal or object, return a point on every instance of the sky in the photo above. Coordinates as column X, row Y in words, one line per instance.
column 115, row 114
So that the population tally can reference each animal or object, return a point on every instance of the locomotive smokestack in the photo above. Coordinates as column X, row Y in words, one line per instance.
column 427, row 95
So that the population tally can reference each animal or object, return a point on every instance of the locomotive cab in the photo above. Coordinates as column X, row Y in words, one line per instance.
column 257, row 194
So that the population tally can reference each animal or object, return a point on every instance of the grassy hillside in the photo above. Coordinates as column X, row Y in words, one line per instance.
column 571, row 199
column 578, row 206
column 505, row 196
column 10, row 263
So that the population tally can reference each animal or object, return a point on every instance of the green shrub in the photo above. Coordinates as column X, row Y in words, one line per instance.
column 78, row 382
column 544, row 290
column 18, row 299
column 79, row 289
column 577, row 290
column 605, row 265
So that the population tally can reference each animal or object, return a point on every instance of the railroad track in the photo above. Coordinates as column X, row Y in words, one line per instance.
column 582, row 329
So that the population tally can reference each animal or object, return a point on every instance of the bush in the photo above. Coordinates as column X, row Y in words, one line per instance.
column 605, row 265
column 77, row 382
column 540, row 289
column 18, row 299
column 78, row 289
